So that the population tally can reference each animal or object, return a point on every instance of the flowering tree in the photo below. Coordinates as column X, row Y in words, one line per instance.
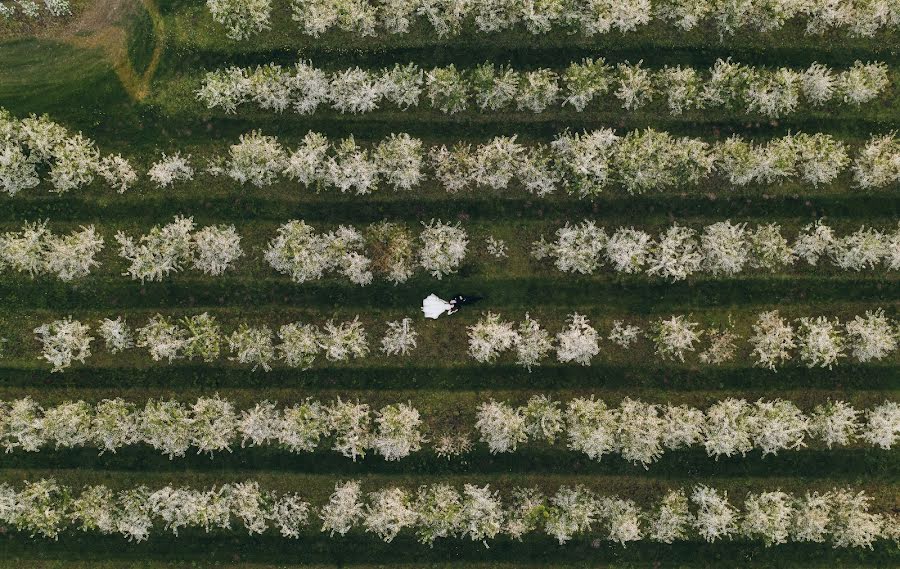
column 819, row 341
column 543, row 418
column 532, row 343
column 872, row 337
column 624, row 335
column 116, row 334
column 343, row 341
column 481, row 515
column 715, row 517
column 256, row 159
column 216, row 248
column 768, row 517
column 591, row 427
column 400, row 338
column 772, row 340
column 877, row 165
column 835, row 423
column 489, row 337
column 351, row 424
column 388, row 512
column 721, row 346
column 64, row 341
column 577, row 249
column 850, row 523
column 776, row 425
column 672, row 518
column 438, row 507
column 165, row 249
column 162, row 338
column 443, row 248
column 301, row 253
column 882, row 425
column 579, row 342
column 675, row 256
column 501, row 426
column 572, row 511
column 398, row 431
column 675, row 336
column 252, row 345
column 242, row 18
column 203, row 338
column 727, row 429
column 171, row 169
column 640, row 432
column 684, row 426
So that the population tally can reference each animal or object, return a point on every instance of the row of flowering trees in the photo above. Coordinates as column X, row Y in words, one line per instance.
column 244, row 19
column 391, row 251
column 35, row 144
column 201, row 337
column 30, row 9
column 727, row 85
column 719, row 249
column 212, row 425
column 815, row 341
column 640, row 432
column 840, row 516
column 584, row 164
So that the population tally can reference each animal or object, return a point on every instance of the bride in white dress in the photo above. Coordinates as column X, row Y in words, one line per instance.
column 433, row 306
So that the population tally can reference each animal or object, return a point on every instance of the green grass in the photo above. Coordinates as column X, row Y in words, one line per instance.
column 141, row 39
column 81, row 90
column 38, row 76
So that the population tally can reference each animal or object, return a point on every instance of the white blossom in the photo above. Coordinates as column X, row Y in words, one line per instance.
column 675, row 336
column 835, row 423
column 676, row 255
column 672, row 518
column 819, row 341
column 116, row 334
column 256, row 159
column 343, row 341
column 871, row 338
column 882, row 427
column 776, row 425
column 252, row 345
column 171, row 169
column 727, row 429
column 398, row 431
column 572, row 511
column 162, row 338
column 443, row 248
column 850, row 523
column 591, row 427
column 579, row 342
column 501, row 426
column 772, row 340
column 400, row 338
column 343, row 509
column 767, row 516
column 715, row 517
column 63, row 342
column 481, row 514
column 389, row 511
column 216, row 248
column 241, row 18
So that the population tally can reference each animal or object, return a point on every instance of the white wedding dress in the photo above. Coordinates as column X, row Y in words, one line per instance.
column 434, row 306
